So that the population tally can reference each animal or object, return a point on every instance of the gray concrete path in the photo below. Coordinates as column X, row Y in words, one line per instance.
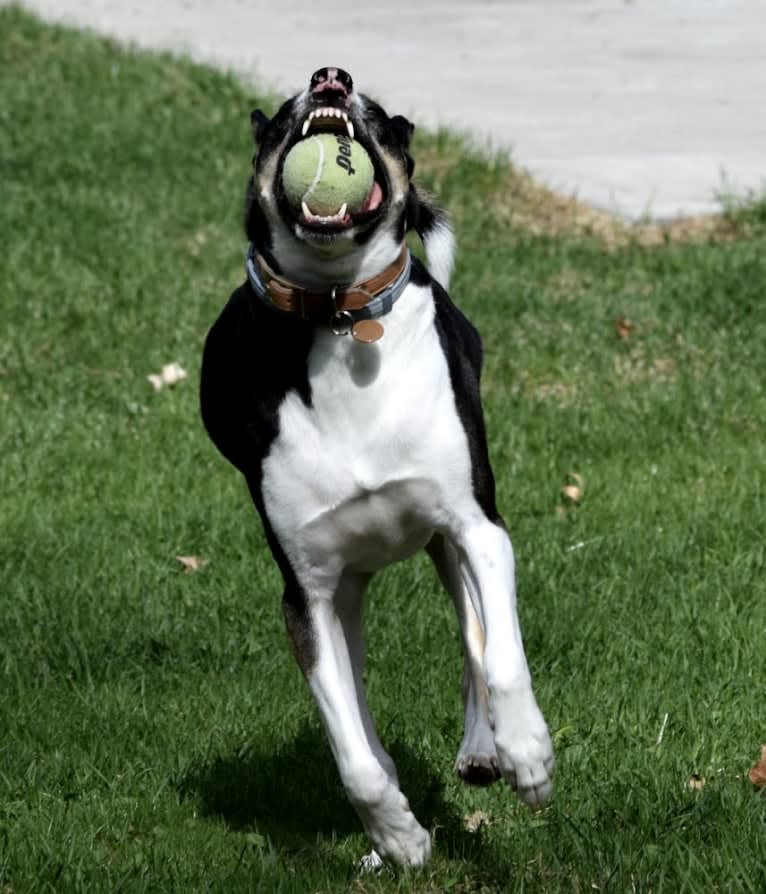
column 649, row 107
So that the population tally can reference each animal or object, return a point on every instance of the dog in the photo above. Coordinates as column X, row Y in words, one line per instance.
column 343, row 383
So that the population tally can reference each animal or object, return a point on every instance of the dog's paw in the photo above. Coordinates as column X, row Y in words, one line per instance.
column 525, row 753
column 476, row 761
column 479, row 768
column 411, row 848
column 395, row 833
column 527, row 765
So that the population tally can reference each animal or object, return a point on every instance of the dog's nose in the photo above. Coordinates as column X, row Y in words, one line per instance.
column 332, row 79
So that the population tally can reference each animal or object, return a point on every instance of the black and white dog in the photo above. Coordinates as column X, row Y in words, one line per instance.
column 344, row 384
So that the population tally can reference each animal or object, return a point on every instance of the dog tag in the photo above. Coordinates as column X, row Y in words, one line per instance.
column 367, row 331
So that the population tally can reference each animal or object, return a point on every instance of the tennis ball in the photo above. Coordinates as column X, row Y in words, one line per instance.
column 326, row 171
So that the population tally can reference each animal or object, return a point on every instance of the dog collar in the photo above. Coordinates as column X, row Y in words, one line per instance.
column 347, row 308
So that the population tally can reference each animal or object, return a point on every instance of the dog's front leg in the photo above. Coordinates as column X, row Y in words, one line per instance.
column 476, row 761
column 524, row 748
column 325, row 627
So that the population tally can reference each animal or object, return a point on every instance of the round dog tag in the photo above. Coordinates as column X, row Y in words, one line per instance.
column 367, row 331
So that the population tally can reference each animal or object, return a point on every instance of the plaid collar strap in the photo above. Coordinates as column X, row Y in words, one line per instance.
column 344, row 307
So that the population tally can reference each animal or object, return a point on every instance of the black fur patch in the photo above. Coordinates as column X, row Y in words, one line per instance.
column 423, row 215
column 461, row 344
column 253, row 356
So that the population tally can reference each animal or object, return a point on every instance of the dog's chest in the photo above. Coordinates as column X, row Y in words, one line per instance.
column 365, row 473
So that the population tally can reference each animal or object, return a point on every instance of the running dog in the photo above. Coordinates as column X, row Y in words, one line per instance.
column 343, row 383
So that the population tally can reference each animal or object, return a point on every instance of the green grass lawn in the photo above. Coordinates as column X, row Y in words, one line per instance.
column 155, row 732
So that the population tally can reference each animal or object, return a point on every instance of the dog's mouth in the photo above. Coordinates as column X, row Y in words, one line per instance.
column 331, row 112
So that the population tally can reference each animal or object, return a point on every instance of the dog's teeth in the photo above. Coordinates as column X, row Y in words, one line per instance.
column 310, row 217
column 306, row 126
column 350, row 129
column 344, row 116
column 337, row 113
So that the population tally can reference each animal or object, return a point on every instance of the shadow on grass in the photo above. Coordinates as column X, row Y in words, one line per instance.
column 294, row 797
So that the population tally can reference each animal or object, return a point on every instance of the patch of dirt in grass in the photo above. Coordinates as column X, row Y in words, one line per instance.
column 529, row 205
column 637, row 367
column 561, row 393
column 514, row 197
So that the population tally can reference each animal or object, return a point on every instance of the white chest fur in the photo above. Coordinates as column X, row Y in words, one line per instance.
column 365, row 475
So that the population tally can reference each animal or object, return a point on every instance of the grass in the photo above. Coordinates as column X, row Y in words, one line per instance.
column 156, row 734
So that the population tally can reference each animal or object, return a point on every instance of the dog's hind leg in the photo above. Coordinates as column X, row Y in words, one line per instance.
column 324, row 623
column 476, row 761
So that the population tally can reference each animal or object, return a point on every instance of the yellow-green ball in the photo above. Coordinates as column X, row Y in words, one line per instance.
column 325, row 171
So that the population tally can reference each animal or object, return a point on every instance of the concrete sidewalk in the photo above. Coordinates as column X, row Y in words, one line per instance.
column 649, row 107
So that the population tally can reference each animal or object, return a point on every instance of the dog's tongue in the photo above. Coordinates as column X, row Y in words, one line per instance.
column 373, row 200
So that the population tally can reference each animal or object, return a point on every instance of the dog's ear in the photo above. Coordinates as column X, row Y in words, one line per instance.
column 432, row 225
column 403, row 129
column 412, row 212
column 258, row 122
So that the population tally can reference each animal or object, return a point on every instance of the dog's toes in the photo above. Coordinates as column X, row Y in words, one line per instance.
column 395, row 833
column 412, row 849
column 528, row 766
column 476, row 762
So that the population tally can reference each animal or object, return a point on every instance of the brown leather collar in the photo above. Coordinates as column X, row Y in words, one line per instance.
column 320, row 305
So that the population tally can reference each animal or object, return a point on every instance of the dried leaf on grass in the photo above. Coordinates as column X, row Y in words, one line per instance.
column 168, row 375
column 624, row 327
column 474, row 821
column 573, row 488
column 192, row 563
column 696, row 782
column 757, row 774
column 197, row 242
